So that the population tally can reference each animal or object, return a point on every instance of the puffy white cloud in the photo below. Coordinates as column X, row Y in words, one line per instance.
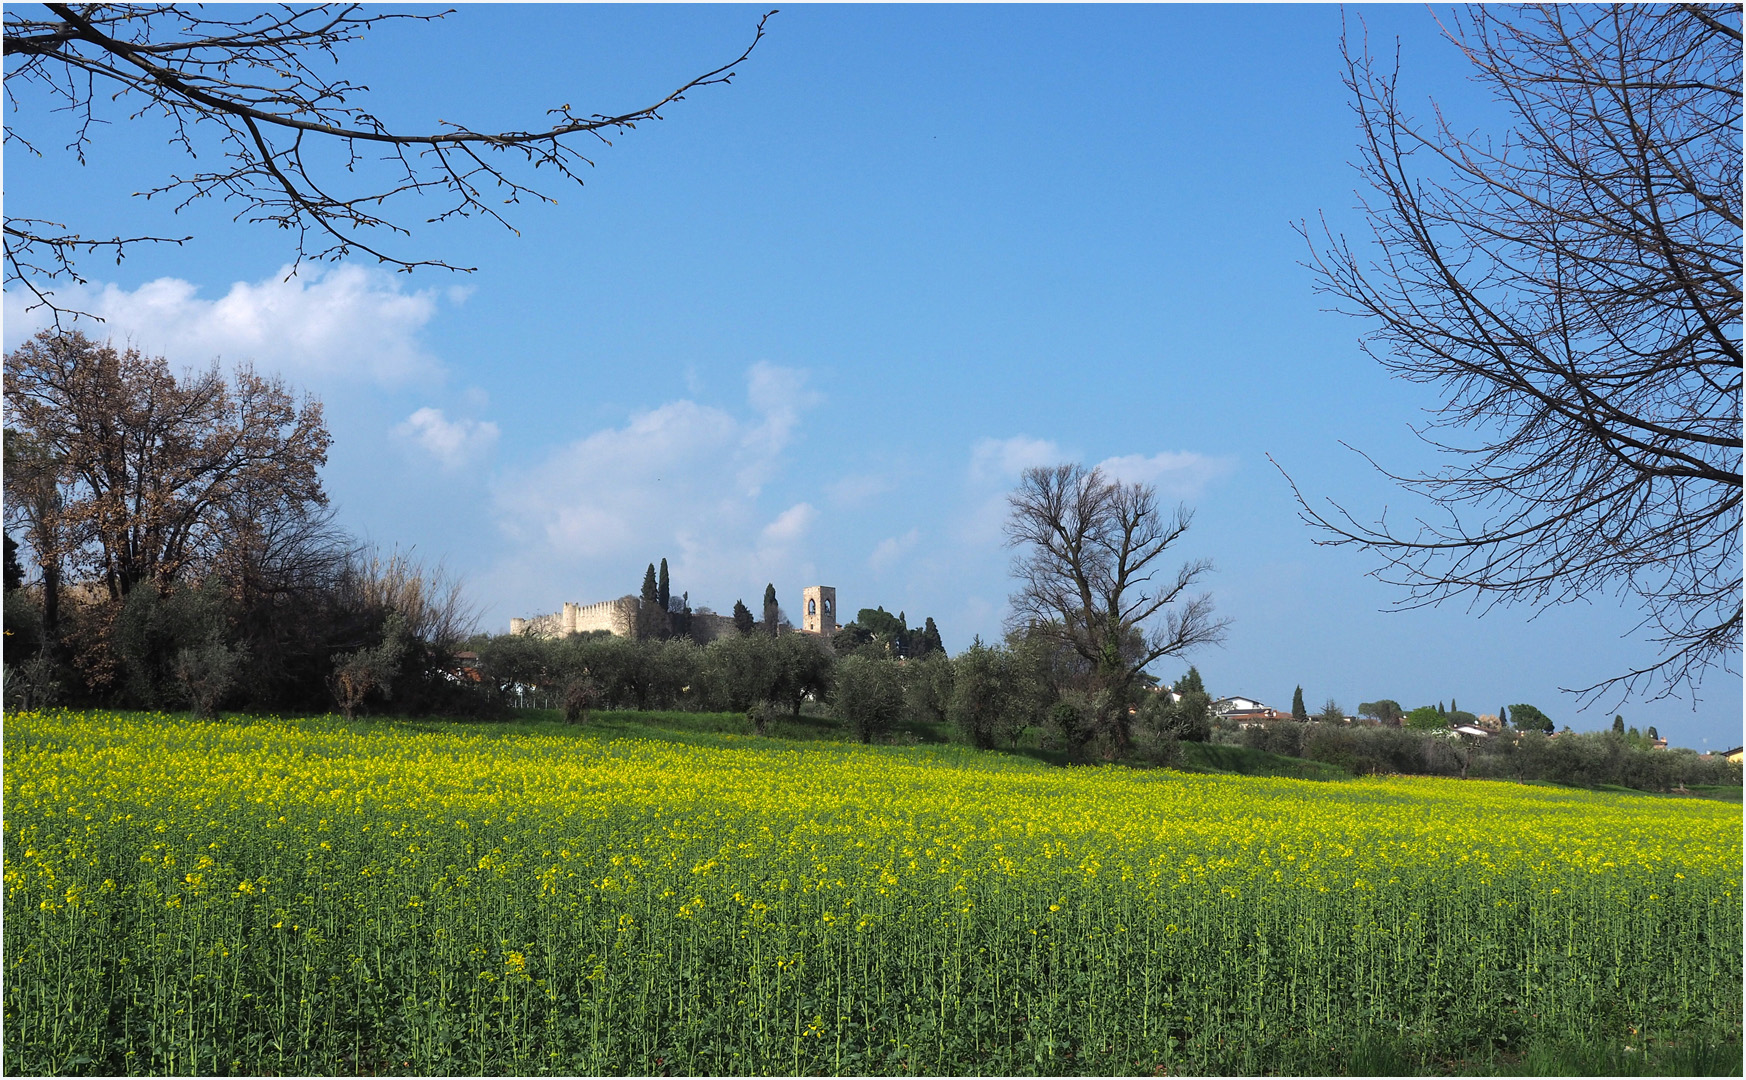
column 999, row 460
column 338, row 323
column 893, row 548
column 1180, row 474
column 452, row 442
column 682, row 478
column 790, row 525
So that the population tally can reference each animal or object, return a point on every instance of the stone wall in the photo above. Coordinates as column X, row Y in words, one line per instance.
column 620, row 617
column 615, row 616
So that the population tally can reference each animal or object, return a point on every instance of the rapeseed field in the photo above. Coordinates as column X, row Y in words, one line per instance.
column 304, row 896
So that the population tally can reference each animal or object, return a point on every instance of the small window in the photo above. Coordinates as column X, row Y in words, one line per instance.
column 827, row 607
column 812, row 607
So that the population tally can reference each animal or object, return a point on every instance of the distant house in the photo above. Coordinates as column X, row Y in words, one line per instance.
column 1246, row 710
column 1735, row 754
column 466, row 669
column 1473, row 730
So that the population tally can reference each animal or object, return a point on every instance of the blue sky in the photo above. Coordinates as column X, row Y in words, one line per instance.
column 809, row 327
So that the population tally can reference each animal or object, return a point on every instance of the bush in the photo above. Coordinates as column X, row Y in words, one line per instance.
column 1188, row 720
column 207, row 672
column 1157, row 745
column 980, row 694
column 740, row 670
column 369, row 671
column 928, row 686
column 869, row 697
column 1070, row 722
column 31, row 685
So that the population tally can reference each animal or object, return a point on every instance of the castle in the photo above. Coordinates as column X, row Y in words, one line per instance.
column 818, row 616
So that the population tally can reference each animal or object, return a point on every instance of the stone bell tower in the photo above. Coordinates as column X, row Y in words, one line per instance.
column 818, row 605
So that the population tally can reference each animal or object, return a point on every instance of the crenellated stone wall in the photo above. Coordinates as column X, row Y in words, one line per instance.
column 615, row 616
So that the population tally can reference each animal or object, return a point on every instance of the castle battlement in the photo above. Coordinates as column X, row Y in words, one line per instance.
column 614, row 616
column 819, row 605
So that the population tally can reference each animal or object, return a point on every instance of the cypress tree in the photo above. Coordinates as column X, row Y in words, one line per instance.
column 1503, row 716
column 1618, row 725
column 651, row 617
column 1298, row 711
column 743, row 621
column 771, row 610
column 929, row 639
column 663, row 588
column 1452, row 706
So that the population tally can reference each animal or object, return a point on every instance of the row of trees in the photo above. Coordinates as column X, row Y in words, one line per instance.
column 1582, row 758
column 169, row 545
column 1026, row 690
column 1389, row 713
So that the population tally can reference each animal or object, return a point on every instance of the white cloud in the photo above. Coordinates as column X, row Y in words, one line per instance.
column 893, row 548
column 781, row 396
column 996, row 464
column 994, row 460
column 452, row 442
column 790, row 525
column 341, row 323
column 682, row 479
column 1180, row 474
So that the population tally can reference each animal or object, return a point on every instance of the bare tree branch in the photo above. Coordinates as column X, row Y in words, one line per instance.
column 243, row 91
column 1575, row 292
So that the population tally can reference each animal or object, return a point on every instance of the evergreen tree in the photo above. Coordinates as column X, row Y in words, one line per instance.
column 743, row 621
column 1440, row 711
column 1191, row 684
column 651, row 616
column 1651, row 733
column 663, row 588
column 1298, row 711
column 1452, row 706
column 1503, row 716
column 772, row 612
column 929, row 639
column 1528, row 718
column 1618, row 725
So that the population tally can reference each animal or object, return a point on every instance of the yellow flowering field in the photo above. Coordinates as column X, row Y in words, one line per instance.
column 303, row 896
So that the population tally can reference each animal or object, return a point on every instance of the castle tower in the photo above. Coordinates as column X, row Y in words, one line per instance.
column 818, row 605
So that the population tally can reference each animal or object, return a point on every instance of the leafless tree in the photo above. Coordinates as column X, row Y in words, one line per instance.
column 430, row 602
column 1091, row 578
column 254, row 93
column 1574, row 291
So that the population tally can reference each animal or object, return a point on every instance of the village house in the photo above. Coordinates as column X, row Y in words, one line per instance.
column 1246, row 711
